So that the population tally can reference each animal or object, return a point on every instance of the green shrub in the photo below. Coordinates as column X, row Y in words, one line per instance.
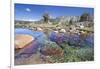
column 85, row 54
column 75, row 54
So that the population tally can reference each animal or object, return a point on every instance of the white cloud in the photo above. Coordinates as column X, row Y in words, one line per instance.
column 28, row 9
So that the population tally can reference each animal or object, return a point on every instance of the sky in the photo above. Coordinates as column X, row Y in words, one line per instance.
column 32, row 12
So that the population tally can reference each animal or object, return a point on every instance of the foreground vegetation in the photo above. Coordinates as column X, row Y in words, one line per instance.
column 69, row 54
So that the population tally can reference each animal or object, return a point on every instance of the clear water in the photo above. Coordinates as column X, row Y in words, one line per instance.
column 41, row 40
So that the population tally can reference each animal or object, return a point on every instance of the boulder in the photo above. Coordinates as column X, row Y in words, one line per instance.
column 22, row 40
